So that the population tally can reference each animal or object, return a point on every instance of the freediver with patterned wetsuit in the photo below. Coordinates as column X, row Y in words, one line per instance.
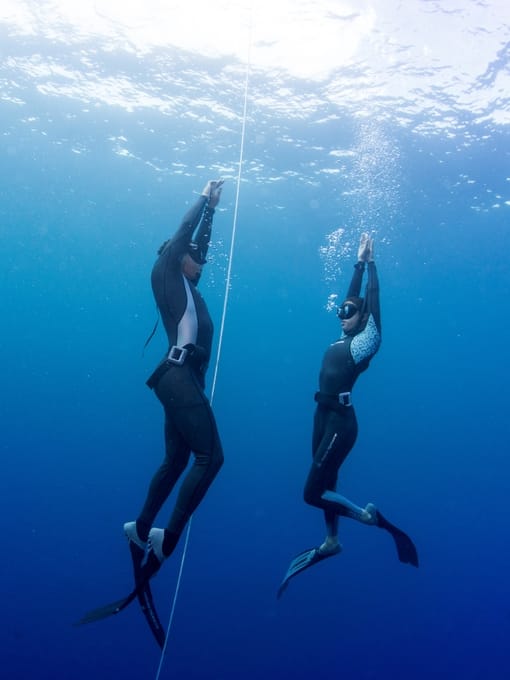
column 335, row 426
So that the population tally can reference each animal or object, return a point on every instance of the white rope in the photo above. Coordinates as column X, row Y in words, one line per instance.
column 220, row 341
column 234, row 228
column 177, row 588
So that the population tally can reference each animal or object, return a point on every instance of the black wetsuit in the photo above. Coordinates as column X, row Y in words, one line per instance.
column 335, row 425
column 189, row 421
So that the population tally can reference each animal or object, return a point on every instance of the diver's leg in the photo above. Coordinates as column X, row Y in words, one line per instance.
column 331, row 544
column 338, row 434
column 367, row 515
column 177, row 454
column 333, row 437
column 176, row 457
column 197, row 427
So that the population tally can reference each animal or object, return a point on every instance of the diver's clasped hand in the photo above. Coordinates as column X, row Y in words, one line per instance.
column 212, row 191
column 366, row 248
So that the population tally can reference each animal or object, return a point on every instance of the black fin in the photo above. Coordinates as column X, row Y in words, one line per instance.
column 151, row 615
column 144, row 592
column 305, row 559
column 107, row 610
column 406, row 549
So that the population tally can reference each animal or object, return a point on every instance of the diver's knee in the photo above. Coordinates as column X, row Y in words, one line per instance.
column 215, row 461
column 219, row 459
column 309, row 496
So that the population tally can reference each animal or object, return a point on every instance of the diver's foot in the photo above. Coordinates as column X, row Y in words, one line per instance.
column 369, row 514
column 155, row 556
column 329, row 548
column 155, row 544
column 132, row 535
column 137, row 548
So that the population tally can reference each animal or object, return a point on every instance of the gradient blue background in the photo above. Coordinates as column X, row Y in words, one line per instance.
column 82, row 435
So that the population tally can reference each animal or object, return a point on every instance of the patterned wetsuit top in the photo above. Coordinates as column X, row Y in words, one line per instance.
column 183, row 309
column 346, row 358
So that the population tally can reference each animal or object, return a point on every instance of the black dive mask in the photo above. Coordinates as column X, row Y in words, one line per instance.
column 347, row 311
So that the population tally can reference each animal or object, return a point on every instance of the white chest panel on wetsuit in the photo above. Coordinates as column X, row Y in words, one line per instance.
column 187, row 328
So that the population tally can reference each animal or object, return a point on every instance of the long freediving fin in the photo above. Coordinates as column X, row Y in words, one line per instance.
column 406, row 550
column 151, row 615
column 144, row 595
column 107, row 610
column 305, row 559
column 142, row 591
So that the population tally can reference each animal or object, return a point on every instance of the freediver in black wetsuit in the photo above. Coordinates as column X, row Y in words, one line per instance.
column 178, row 383
column 335, row 425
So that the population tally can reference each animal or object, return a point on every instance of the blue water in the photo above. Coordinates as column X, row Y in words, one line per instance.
column 95, row 175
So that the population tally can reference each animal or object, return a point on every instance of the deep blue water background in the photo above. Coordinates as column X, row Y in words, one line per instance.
column 82, row 435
